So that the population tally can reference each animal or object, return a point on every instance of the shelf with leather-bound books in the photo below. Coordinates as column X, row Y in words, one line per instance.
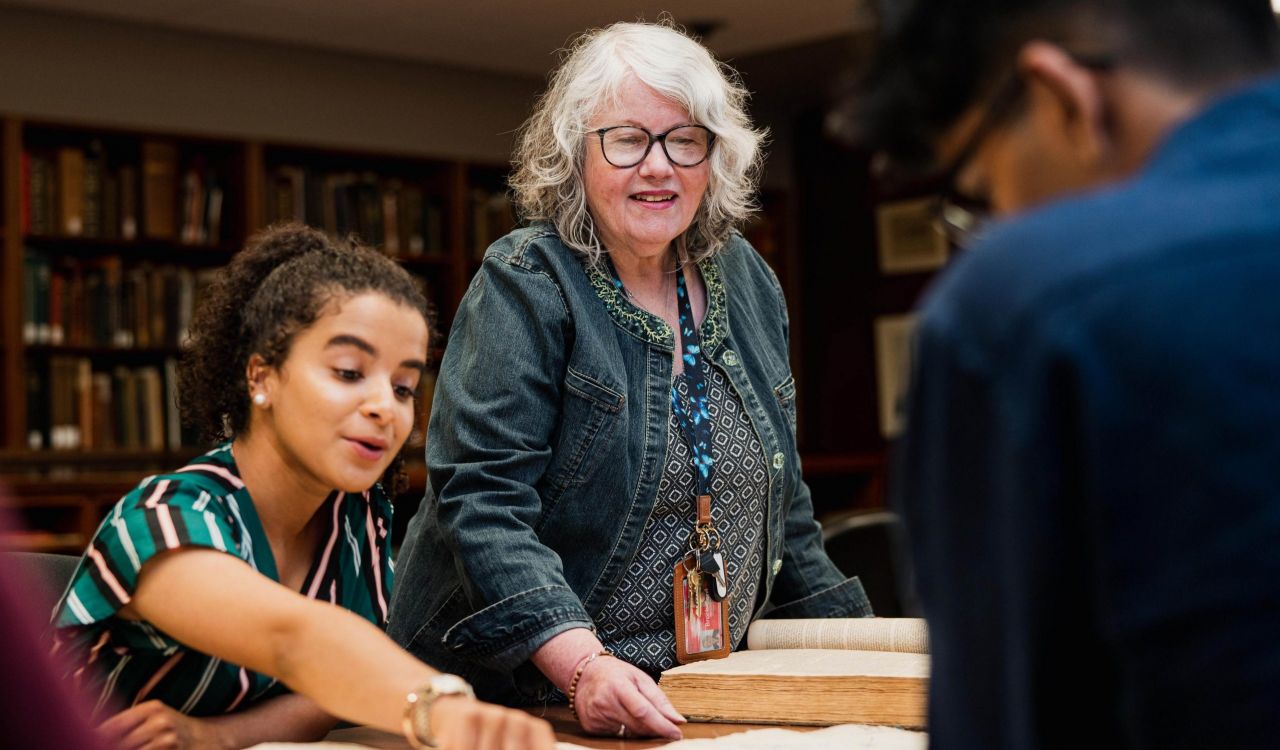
column 116, row 232
column 403, row 205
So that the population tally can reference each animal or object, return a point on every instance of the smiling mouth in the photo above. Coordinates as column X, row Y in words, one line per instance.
column 654, row 198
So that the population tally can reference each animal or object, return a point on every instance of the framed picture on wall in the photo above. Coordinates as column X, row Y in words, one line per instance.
column 893, row 339
column 909, row 240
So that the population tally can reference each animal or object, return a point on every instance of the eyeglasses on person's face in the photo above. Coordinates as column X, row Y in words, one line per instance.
column 960, row 217
column 627, row 145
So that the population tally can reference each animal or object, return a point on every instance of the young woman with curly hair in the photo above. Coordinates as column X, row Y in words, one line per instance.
column 209, row 593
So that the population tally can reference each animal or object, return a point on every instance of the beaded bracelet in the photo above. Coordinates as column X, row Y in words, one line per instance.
column 577, row 675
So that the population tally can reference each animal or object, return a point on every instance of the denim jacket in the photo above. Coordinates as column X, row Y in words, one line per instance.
column 548, row 436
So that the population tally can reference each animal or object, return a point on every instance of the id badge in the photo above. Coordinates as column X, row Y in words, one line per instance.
column 702, row 622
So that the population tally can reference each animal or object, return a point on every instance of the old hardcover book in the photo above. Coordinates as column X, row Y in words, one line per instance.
column 128, row 202
column 160, row 190
column 83, row 379
column 40, row 191
column 94, row 173
column 151, row 408
column 812, row 672
column 71, row 191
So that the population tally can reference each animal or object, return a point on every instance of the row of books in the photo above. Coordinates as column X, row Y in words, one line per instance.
column 75, row 407
column 84, row 192
column 102, row 303
column 401, row 218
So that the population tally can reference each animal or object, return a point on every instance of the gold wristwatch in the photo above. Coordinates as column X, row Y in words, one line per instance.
column 417, row 708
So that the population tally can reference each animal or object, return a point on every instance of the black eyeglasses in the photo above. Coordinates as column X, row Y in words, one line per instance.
column 627, row 145
column 960, row 217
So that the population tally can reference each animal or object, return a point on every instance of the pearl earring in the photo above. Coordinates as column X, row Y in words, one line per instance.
column 260, row 399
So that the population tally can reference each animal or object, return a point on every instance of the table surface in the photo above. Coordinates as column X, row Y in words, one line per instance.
column 566, row 729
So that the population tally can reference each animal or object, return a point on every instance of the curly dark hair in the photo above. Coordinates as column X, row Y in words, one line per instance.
column 272, row 290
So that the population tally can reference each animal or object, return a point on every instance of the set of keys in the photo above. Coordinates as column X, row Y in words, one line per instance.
column 702, row 593
column 706, row 575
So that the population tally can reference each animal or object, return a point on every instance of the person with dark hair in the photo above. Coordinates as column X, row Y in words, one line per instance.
column 264, row 565
column 614, row 484
column 1090, row 473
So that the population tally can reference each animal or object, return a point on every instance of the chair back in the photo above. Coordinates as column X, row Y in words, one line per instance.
column 43, row 576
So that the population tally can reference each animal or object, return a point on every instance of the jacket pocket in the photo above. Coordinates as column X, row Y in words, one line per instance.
column 785, row 392
column 590, row 413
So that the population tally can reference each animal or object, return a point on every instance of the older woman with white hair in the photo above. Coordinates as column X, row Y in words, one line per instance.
column 614, row 485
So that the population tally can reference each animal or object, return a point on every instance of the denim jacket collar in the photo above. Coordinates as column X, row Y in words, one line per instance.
column 649, row 327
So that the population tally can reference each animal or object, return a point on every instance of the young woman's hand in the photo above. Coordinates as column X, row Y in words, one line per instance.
column 154, row 726
column 461, row 723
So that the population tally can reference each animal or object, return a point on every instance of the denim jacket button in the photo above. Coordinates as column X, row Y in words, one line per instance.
column 779, row 460
column 731, row 358
column 777, row 565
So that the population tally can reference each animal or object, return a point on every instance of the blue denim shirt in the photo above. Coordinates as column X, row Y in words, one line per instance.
column 547, row 439
column 1090, row 475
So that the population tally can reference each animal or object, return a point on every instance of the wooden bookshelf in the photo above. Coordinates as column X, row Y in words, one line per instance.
column 160, row 211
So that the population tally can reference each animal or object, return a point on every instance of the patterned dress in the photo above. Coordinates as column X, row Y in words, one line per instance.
column 205, row 504
column 637, row 623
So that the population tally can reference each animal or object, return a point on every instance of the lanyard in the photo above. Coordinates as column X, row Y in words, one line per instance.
column 692, row 414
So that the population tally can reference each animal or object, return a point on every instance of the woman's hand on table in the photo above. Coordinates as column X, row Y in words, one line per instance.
column 461, row 723
column 612, row 694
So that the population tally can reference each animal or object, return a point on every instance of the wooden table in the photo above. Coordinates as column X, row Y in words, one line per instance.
column 566, row 729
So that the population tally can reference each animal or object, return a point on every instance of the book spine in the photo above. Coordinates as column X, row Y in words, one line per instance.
column 29, row 296
column 390, row 218
column 94, row 165
column 37, row 409
column 153, row 409
column 37, row 330
column 128, row 202
column 111, row 205
column 24, row 197
column 37, row 191
column 71, row 191
column 57, row 308
column 103, row 421
column 84, row 402
column 159, row 190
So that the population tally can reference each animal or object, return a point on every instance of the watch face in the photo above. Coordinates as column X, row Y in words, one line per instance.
column 449, row 684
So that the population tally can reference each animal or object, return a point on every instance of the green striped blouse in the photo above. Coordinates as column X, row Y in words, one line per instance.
column 205, row 504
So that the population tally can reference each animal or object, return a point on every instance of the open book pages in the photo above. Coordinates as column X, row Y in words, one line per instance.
column 803, row 686
column 905, row 634
column 843, row 737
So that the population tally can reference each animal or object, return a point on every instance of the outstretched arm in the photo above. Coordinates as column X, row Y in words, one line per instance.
column 333, row 656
